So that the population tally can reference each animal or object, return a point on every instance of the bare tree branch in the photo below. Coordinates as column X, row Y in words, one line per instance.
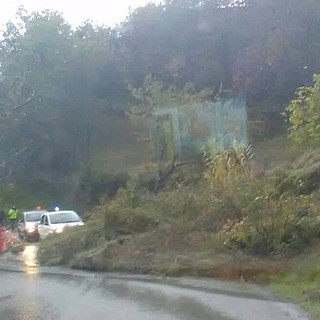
column 23, row 104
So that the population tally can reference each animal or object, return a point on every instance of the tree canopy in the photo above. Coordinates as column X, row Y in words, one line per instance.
column 59, row 86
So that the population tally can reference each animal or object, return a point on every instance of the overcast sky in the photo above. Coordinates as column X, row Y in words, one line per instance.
column 108, row 12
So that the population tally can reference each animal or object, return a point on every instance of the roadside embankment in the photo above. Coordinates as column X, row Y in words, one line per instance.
column 221, row 222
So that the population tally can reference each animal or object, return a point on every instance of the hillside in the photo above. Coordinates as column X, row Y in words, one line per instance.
column 254, row 229
column 188, row 136
column 62, row 86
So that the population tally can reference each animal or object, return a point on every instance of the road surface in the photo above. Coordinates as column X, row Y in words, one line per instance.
column 40, row 296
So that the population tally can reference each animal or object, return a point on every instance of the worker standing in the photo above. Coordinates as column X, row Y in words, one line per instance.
column 13, row 216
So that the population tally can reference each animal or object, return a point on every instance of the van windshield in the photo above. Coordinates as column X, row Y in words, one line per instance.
column 34, row 216
column 64, row 217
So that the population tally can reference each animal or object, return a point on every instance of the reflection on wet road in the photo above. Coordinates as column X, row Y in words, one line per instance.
column 34, row 296
column 29, row 259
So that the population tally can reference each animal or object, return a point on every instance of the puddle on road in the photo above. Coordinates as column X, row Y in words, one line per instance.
column 29, row 259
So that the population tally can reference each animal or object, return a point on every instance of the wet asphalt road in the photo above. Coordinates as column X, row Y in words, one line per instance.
column 32, row 296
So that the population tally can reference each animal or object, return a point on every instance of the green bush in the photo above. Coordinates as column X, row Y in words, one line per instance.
column 300, row 180
column 273, row 226
column 128, row 213
column 304, row 114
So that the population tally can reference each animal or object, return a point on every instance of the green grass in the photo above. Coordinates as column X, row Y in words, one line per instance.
column 117, row 149
column 278, row 152
column 297, row 291
column 301, row 281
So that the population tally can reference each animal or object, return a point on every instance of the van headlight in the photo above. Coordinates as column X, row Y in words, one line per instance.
column 59, row 230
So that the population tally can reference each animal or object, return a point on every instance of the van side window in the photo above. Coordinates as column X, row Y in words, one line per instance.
column 46, row 222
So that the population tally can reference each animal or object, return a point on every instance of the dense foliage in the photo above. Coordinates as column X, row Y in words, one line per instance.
column 304, row 113
column 60, row 88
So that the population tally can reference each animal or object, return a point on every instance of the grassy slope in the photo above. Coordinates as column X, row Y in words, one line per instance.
column 117, row 149
column 181, row 243
column 300, row 279
column 278, row 153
